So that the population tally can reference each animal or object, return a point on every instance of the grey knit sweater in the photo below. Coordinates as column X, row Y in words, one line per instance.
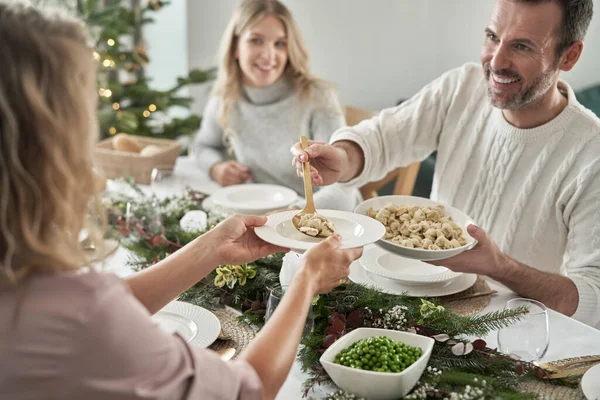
column 264, row 124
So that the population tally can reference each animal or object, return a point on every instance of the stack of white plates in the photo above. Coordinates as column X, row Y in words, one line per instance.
column 252, row 198
column 399, row 275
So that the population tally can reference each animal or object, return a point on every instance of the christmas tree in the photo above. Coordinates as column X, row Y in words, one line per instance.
column 127, row 102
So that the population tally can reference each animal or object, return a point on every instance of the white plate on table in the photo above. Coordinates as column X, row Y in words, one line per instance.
column 359, row 275
column 254, row 198
column 209, row 205
column 195, row 324
column 590, row 383
column 356, row 230
column 404, row 270
column 459, row 217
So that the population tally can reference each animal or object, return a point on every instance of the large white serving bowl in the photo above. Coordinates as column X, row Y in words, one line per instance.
column 377, row 385
column 459, row 217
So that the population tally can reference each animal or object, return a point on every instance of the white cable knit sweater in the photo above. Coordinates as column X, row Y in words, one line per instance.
column 535, row 191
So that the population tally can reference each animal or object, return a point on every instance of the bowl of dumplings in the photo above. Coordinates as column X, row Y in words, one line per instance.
column 419, row 228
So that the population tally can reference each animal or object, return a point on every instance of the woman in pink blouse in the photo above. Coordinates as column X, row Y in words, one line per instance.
column 69, row 334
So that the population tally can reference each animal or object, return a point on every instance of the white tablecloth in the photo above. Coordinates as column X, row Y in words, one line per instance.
column 568, row 337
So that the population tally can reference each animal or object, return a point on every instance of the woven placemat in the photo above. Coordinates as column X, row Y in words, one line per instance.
column 458, row 304
column 547, row 391
column 240, row 333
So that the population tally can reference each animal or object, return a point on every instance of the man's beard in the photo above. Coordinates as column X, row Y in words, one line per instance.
column 526, row 96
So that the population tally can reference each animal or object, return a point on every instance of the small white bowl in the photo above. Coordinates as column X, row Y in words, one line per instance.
column 377, row 385
column 459, row 217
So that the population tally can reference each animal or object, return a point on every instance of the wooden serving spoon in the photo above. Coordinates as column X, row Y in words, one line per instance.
column 309, row 208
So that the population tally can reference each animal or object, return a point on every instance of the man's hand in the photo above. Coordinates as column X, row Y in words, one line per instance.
column 555, row 291
column 328, row 163
column 484, row 259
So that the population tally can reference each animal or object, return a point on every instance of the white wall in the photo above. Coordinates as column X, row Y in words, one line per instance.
column 167, row 44
column 377, row 51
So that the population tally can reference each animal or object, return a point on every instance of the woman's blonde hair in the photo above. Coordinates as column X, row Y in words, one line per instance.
column 47, row 116
column 228, row 86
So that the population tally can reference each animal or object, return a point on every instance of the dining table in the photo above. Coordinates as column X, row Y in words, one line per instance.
column 568, row 337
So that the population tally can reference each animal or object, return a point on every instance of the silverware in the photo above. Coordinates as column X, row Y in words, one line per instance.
column 309, row 208
column 226, row 354
column 569, row 366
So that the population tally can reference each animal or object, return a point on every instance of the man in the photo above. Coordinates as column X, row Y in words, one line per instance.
column 516, row 152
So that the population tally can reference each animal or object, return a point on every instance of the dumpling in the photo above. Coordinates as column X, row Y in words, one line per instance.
column 316, row 225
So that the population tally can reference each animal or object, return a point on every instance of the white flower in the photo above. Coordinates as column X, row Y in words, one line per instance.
column 194, row 221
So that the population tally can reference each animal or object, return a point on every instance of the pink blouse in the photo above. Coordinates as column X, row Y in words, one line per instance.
column 85, row 336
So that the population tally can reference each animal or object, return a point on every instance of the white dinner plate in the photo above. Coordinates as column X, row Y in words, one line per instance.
column 459, row 217
column 404, row 270
column 359, row 275
column 356, row 230
column 209, row 205
column 590, row 383
column 195, row 324
column 254, row 198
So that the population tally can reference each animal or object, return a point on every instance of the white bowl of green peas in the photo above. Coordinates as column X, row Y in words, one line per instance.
column 377, row 364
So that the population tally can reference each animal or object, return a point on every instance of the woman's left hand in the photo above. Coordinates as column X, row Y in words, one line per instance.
column 236, row 243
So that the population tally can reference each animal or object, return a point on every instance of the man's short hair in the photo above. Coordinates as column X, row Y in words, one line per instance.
column 576, row 17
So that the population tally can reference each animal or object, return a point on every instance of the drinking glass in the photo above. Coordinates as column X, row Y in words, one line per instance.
column 528, row 338
column 275, row 296
column 145, row 217
column 165, row 182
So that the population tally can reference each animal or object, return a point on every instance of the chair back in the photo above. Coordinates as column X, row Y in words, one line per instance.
column 405, row 177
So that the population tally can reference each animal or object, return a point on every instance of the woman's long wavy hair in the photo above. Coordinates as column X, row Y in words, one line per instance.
column 228, row 86
column 47, row 130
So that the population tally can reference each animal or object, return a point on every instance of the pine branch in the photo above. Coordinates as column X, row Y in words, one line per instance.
column 478, row 325
column 309, row 353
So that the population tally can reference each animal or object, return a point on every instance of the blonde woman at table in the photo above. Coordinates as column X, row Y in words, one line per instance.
column 71, row 333
column 264, row 99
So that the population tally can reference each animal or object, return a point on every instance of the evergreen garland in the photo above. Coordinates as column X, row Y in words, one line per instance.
column 151, row 231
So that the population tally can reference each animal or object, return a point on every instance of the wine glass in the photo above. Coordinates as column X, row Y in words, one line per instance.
column 275, row 296
column 143, row 218
column 164, row 181
column 528, row 338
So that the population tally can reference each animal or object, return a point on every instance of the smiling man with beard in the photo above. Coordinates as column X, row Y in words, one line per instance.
column 516, row 151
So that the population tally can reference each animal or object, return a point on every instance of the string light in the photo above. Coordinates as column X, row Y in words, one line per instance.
column 110, row 42
column 116, row 106
column 96, row 56
column 152, row 107
column 106, row 63
column 112, row 130
column 146, row 113
column 101, row 91
column 104, row 92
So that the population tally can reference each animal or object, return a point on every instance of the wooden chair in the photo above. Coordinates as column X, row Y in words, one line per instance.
column 405, row 176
